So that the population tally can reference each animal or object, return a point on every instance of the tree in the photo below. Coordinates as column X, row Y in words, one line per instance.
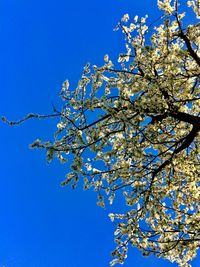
column 133, row 128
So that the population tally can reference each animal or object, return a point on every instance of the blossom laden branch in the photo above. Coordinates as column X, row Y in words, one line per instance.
column 133, row 127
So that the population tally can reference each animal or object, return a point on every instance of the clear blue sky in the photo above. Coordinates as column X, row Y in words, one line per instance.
column 43, row 43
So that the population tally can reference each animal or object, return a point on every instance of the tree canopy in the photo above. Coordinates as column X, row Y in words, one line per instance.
column 133, row 129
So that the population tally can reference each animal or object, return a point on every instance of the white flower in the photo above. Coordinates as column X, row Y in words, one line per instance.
column 107, row 91
column 166, row 6
column 111, row 216
column 125, row 18
column 136, row 19
column 143, row 19
column 66, row 84
column 106, row 58
column 60, row 126
column 88, row 166
column 190, row 3
column 113, row 262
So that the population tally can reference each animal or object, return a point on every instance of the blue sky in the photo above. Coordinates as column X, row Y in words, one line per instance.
column 42, row 44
